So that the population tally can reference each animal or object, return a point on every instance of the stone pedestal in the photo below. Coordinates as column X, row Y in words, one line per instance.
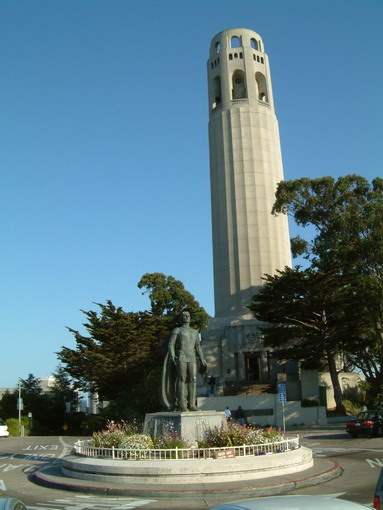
column 191, row 426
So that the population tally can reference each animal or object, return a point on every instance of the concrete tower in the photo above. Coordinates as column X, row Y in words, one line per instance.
column 245, row 168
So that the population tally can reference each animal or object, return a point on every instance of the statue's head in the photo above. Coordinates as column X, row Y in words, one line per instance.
column 185, row 317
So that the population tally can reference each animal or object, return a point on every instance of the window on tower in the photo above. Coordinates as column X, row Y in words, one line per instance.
column 217, row 47
column 235, row 42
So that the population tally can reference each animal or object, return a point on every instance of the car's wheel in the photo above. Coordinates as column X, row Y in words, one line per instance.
column 379, row 431
column 353, row 434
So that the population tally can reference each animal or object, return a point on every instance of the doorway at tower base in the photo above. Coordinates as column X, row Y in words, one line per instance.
column 235, row 355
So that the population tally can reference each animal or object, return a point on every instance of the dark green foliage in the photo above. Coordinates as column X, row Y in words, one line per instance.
column 8, row 405
column 343, row 286
column 311, row 317
column 168, row 298
column 122, row 348
column 311, row 313
column 48, row 409
column 347, row 216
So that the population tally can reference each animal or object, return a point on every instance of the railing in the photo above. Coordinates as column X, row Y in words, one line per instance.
column 85, row 448
column 240, row 101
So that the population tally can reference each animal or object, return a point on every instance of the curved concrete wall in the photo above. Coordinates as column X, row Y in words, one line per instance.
column 188, row 471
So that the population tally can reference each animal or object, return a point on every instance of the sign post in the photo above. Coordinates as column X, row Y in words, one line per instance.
column 282, row 400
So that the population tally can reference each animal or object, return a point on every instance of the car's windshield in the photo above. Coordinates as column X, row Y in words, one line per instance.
column 369, row 415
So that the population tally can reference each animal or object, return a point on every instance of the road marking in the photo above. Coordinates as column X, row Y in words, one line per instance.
column 320, row 452
column 375, row 463
column 2, row 486
column 42, row 447
column 92, row 503
column 10, row 467
column 67, row 448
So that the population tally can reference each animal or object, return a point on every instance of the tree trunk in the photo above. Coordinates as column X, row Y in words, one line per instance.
column 338, row 394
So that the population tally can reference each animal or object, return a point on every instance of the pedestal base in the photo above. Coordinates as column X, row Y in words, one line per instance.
column 191, row 426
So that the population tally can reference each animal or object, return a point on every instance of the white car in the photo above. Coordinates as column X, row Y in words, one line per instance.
column 11, row 504
column 292, row 503
column 3, row 429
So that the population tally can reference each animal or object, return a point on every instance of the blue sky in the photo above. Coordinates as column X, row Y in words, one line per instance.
column 104, row 147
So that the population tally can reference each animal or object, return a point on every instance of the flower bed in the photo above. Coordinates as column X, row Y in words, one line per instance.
column 125, row 441
column 85, row 448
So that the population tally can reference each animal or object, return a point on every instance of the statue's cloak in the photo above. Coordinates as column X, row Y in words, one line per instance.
column 168, row 384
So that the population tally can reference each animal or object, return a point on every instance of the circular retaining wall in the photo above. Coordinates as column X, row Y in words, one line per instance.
column 188, row 471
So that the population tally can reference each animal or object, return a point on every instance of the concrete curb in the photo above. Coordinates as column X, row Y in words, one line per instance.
column 182, row 472
column 324, row 470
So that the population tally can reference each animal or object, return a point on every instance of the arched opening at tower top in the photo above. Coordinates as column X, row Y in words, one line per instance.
column 254, row 44
column 238, row 85
column 216, row 93
column 262, row 87
column 235, row 42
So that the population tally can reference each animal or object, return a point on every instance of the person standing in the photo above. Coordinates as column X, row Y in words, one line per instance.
column 240, row 416
column 228, row 414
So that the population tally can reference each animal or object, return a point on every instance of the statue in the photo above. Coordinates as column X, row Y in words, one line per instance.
column 179, row 375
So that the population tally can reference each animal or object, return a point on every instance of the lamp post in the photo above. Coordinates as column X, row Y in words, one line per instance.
column 19, row 407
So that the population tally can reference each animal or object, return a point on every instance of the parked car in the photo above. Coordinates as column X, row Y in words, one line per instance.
column 3, row 429
column 366, row 422
column 378, row 495
column 292, row 503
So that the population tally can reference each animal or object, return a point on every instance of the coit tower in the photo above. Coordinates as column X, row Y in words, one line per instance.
column 245, row 168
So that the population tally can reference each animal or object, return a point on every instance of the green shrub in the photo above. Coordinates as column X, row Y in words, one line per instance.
column 351, row 407
column 237, row 435
column 13, row 426
column 136, row 442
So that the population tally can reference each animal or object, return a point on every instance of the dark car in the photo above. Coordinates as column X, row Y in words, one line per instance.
column 366, row 422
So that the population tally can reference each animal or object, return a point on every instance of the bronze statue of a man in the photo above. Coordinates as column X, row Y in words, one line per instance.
column 183, row 350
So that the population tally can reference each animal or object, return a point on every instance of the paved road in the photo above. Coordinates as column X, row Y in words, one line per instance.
column 361, row 460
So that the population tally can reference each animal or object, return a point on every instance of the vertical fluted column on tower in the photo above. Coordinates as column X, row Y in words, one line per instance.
column 245, row 168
